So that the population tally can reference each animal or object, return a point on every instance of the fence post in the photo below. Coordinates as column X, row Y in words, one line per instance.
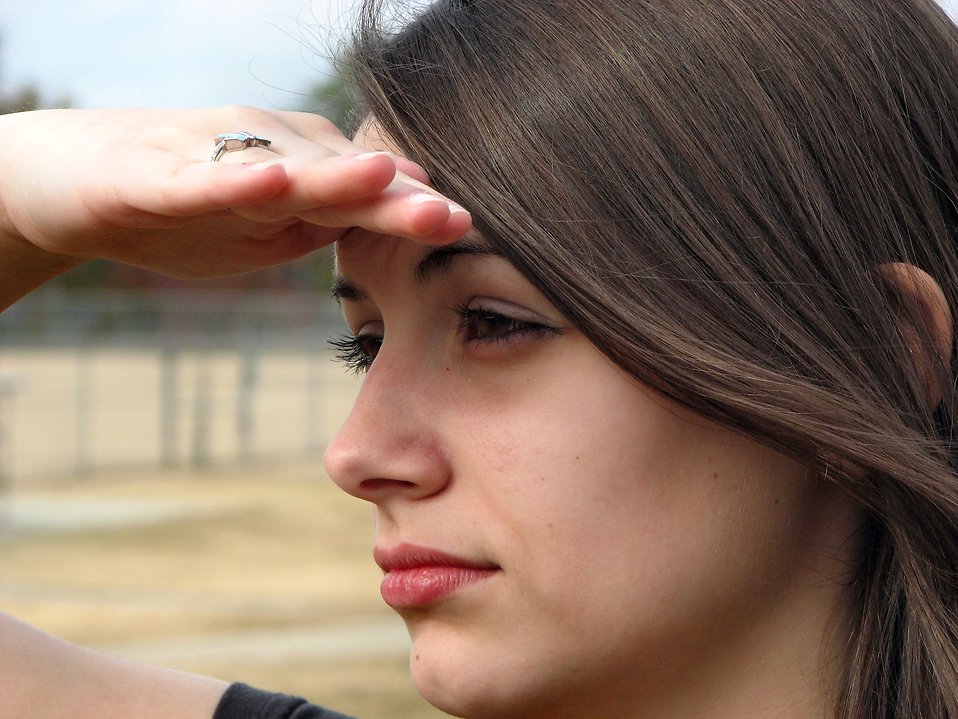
column 169, row 406
column 9, row 386
column 84, row 410
column 245, row 419
column 314, row 394
column 202, row 409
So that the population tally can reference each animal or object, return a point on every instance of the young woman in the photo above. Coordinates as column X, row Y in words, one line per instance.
column 139, row 187
column 682, row 410
column 670, row 433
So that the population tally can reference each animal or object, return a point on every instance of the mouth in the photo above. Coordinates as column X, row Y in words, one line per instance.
column 418, row 576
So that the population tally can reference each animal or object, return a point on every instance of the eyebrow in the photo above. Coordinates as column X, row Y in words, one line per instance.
column 436, row 263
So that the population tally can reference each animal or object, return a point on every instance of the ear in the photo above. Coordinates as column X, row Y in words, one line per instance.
column 922, row 302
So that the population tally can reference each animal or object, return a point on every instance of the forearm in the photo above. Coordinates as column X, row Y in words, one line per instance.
column 46, row 678
column 23, row 266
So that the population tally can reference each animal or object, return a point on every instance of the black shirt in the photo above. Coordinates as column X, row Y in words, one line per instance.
column 244, row 702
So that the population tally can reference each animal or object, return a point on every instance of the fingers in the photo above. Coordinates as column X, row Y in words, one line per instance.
column 362, row 191
column 359, row 189
column 179, row 189
column 336, row 180
column 217, row 246
column 397, row 211
column 411, row 169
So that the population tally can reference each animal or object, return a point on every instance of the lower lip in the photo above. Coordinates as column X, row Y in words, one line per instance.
column 421, row 586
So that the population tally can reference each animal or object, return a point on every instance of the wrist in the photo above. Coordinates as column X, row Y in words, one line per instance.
column 23, row 265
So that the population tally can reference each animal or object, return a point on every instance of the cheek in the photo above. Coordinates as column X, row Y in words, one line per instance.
column 610, row 501
column 597, row 456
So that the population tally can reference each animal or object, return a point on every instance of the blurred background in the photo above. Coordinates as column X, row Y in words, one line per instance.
column 161, row 487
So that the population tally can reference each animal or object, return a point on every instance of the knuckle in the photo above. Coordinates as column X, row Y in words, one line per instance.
column 251, row 119
column 317, row 124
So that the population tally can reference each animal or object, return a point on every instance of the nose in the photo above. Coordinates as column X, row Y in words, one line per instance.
column 390, row 446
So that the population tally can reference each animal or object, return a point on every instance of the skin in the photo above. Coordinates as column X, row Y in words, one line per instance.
column 649, row 559
column 46, row 678
column 137, row 186
column 651, row 563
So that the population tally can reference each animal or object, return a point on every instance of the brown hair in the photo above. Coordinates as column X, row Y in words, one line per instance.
column 706, row 188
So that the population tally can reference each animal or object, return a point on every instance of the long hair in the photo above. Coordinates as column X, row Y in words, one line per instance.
column 707, row 190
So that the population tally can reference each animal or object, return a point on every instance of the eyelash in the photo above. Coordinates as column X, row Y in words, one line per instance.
column 355, row 354
column 351, row 353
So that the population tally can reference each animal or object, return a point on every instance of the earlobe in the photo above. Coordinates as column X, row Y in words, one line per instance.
column 922, row 303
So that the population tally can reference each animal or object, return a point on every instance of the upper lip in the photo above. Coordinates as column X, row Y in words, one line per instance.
column 410, row 556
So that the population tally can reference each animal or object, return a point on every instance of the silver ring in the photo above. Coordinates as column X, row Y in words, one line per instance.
column 234, row 141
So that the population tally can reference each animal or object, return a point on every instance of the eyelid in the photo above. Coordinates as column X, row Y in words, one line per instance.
column 515, row 312
column 364, row 331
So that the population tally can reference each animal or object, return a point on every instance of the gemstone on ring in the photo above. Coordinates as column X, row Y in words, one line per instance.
column 234, row 141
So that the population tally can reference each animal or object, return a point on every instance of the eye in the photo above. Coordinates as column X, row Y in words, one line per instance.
column 356, row 352
column 487, row 325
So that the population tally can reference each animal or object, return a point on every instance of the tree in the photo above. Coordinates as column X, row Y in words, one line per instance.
column 23, row 98
column 332, row 99
column 19, row 99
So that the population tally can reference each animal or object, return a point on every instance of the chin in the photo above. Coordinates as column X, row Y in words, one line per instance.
column 474, row 680
column 462, row 694
column 446, row 678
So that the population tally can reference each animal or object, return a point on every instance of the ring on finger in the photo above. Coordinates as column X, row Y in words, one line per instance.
column 236, row 141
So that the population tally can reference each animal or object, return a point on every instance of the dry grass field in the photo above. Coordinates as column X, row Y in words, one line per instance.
column 262, row 575
column 255, row 568
column 81, row 409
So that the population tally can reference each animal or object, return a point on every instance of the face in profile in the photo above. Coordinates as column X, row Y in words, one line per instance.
column 554, row 533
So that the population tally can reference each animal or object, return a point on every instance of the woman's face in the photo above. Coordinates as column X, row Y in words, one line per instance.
column 554, row 533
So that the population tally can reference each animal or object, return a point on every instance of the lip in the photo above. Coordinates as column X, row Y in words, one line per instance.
column 419, row 576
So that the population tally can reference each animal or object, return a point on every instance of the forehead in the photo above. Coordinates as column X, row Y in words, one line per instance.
column 364, row 258
column 369, row 255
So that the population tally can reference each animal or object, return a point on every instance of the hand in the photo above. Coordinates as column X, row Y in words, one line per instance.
column 137, row 186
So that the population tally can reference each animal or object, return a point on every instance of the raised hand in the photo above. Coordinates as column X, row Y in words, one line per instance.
column 139, row 187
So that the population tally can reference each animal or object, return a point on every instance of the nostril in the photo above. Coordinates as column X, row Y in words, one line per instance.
column 375, row 485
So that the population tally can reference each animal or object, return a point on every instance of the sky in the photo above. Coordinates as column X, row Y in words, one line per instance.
column 168, row 53
column 173, row 53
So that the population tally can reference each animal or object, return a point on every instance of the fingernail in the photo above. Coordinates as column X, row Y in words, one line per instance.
column 421, row 197
column 373, row 155
column 260, row 166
